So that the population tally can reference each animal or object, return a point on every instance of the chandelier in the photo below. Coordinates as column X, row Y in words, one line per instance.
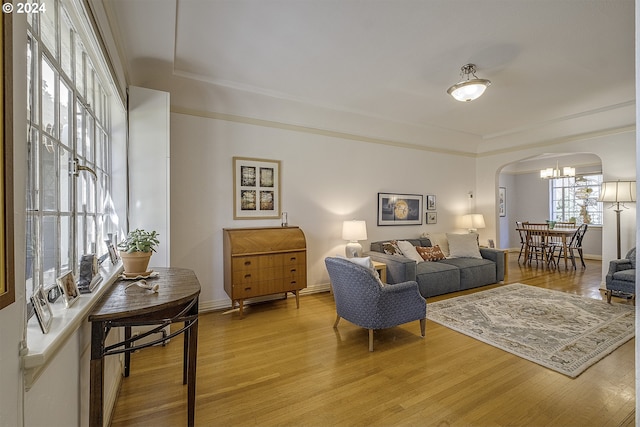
column 551, row 173
column 470, row 88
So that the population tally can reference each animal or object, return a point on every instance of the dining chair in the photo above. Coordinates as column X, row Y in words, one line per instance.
column 537, row 242
column 523, row 238
column 575, row 244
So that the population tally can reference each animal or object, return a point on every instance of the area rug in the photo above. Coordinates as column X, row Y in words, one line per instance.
column 564, row 332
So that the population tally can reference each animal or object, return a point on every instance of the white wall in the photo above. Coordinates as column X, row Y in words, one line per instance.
column 325, row 180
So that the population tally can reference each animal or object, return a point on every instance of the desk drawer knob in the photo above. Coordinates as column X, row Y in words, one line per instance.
column 247, row 276
column 247, row 263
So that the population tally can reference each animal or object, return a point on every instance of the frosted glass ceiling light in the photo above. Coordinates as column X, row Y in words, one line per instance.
column 550, row 173
column 470, row 88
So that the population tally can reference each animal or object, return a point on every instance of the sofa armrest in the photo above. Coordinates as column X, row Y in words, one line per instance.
column 497, row 256
column 399, row 268
column 619, row 265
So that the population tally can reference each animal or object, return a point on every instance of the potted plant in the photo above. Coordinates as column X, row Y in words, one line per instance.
column 136, row 250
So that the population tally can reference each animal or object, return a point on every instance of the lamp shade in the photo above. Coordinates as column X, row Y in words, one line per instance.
column 468, row 90
column 618, row 191
column 354, row 230
column 473, row 221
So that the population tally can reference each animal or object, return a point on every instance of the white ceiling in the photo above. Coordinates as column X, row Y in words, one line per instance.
column 558, row 67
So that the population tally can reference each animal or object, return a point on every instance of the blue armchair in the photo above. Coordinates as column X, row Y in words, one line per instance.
column 621, row 277
column 361, row 298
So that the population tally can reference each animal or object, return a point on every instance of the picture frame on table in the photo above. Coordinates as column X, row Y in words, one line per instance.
column 42, row 309
column 431, row 202
column 502, row 201
column 399, row 209
column 432, row 218
column 70, row 290
column 256, row 188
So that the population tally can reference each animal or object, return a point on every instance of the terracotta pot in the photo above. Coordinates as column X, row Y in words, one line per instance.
column 135, row 262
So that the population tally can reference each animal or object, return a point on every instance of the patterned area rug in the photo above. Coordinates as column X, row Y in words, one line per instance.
column 564, row 332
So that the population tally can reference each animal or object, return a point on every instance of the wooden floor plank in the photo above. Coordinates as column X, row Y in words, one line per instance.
column 285, row 367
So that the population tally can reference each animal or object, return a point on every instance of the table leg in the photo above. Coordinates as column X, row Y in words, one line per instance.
column 191, row 381
column 96, row 375
column 564, row 249
column 127, row 354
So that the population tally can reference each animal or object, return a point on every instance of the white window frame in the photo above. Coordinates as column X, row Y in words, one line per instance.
column 576, row 198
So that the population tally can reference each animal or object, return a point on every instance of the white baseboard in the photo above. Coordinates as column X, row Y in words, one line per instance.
column 216, row 305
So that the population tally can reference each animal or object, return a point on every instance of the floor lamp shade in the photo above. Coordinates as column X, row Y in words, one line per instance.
column 353, row 231
column 617, row 192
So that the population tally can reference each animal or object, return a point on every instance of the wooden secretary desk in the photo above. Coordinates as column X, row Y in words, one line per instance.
column 263, row 261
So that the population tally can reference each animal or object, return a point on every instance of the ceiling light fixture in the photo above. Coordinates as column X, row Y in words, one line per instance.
column 469, row 89
column 552, row 173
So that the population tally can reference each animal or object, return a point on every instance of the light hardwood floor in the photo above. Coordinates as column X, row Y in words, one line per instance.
column 285, row 367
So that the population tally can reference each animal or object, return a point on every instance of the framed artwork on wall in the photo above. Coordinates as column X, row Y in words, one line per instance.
column 502, row 201
column 256, row 188
column 399, row 209
column 432, row 217
column 431, row 202
column 7, row 277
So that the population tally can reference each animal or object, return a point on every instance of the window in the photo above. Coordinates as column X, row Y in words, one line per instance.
column 576, row 199
column 68, row 125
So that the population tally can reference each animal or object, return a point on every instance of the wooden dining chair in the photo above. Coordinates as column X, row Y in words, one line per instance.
column 537, row 242
column 523, row 238
column 575, row 244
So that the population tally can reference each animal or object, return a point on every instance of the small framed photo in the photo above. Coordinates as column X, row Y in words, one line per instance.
column 432, row 217
column 42, row 309
column 69, row 288
column 492, row 243
column 502, row 201
column 113, row 254
column 431, row 202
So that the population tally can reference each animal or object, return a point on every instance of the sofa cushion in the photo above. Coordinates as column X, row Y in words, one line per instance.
column 437, row 278
column 391, row 248
column 473, row 272
column 439, row 239
column 626, row 275
column 409, row 251
column 463, row 245
column 366, row 263
column 430, row 253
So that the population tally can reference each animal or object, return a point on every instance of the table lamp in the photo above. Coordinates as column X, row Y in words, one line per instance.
column 473, row 222
column 353, row 231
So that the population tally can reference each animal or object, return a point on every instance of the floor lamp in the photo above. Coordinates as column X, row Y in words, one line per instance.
column 618, row 192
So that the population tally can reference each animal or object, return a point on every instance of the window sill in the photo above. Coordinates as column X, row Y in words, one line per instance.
column 41, row 348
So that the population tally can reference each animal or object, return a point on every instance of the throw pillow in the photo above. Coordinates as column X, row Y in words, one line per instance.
column 409, row 251
column 430, row 253
column 463, row 245
column 440, row 239
column 391, row 248
column 366, row 263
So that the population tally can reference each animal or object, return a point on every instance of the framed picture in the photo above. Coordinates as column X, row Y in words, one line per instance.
column 431, row 202
column 256, row 188
column 502, row 201
column 7, row 277
column 42, row 309
column 432, row 217
column 69, row 288
column 399, row 209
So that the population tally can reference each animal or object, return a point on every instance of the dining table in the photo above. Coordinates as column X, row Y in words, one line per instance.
column 564, row 234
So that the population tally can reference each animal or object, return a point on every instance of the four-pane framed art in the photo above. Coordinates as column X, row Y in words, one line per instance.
column 399, row 209
column 256, row 188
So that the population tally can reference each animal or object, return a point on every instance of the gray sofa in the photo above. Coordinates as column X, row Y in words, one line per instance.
column 443, row 276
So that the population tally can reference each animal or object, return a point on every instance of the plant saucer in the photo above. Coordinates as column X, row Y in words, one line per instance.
column 136, row 276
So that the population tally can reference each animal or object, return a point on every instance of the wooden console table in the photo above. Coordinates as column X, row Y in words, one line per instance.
column 175, row 302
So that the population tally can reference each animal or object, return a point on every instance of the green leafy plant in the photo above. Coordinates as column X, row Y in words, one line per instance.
column 139, row 241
